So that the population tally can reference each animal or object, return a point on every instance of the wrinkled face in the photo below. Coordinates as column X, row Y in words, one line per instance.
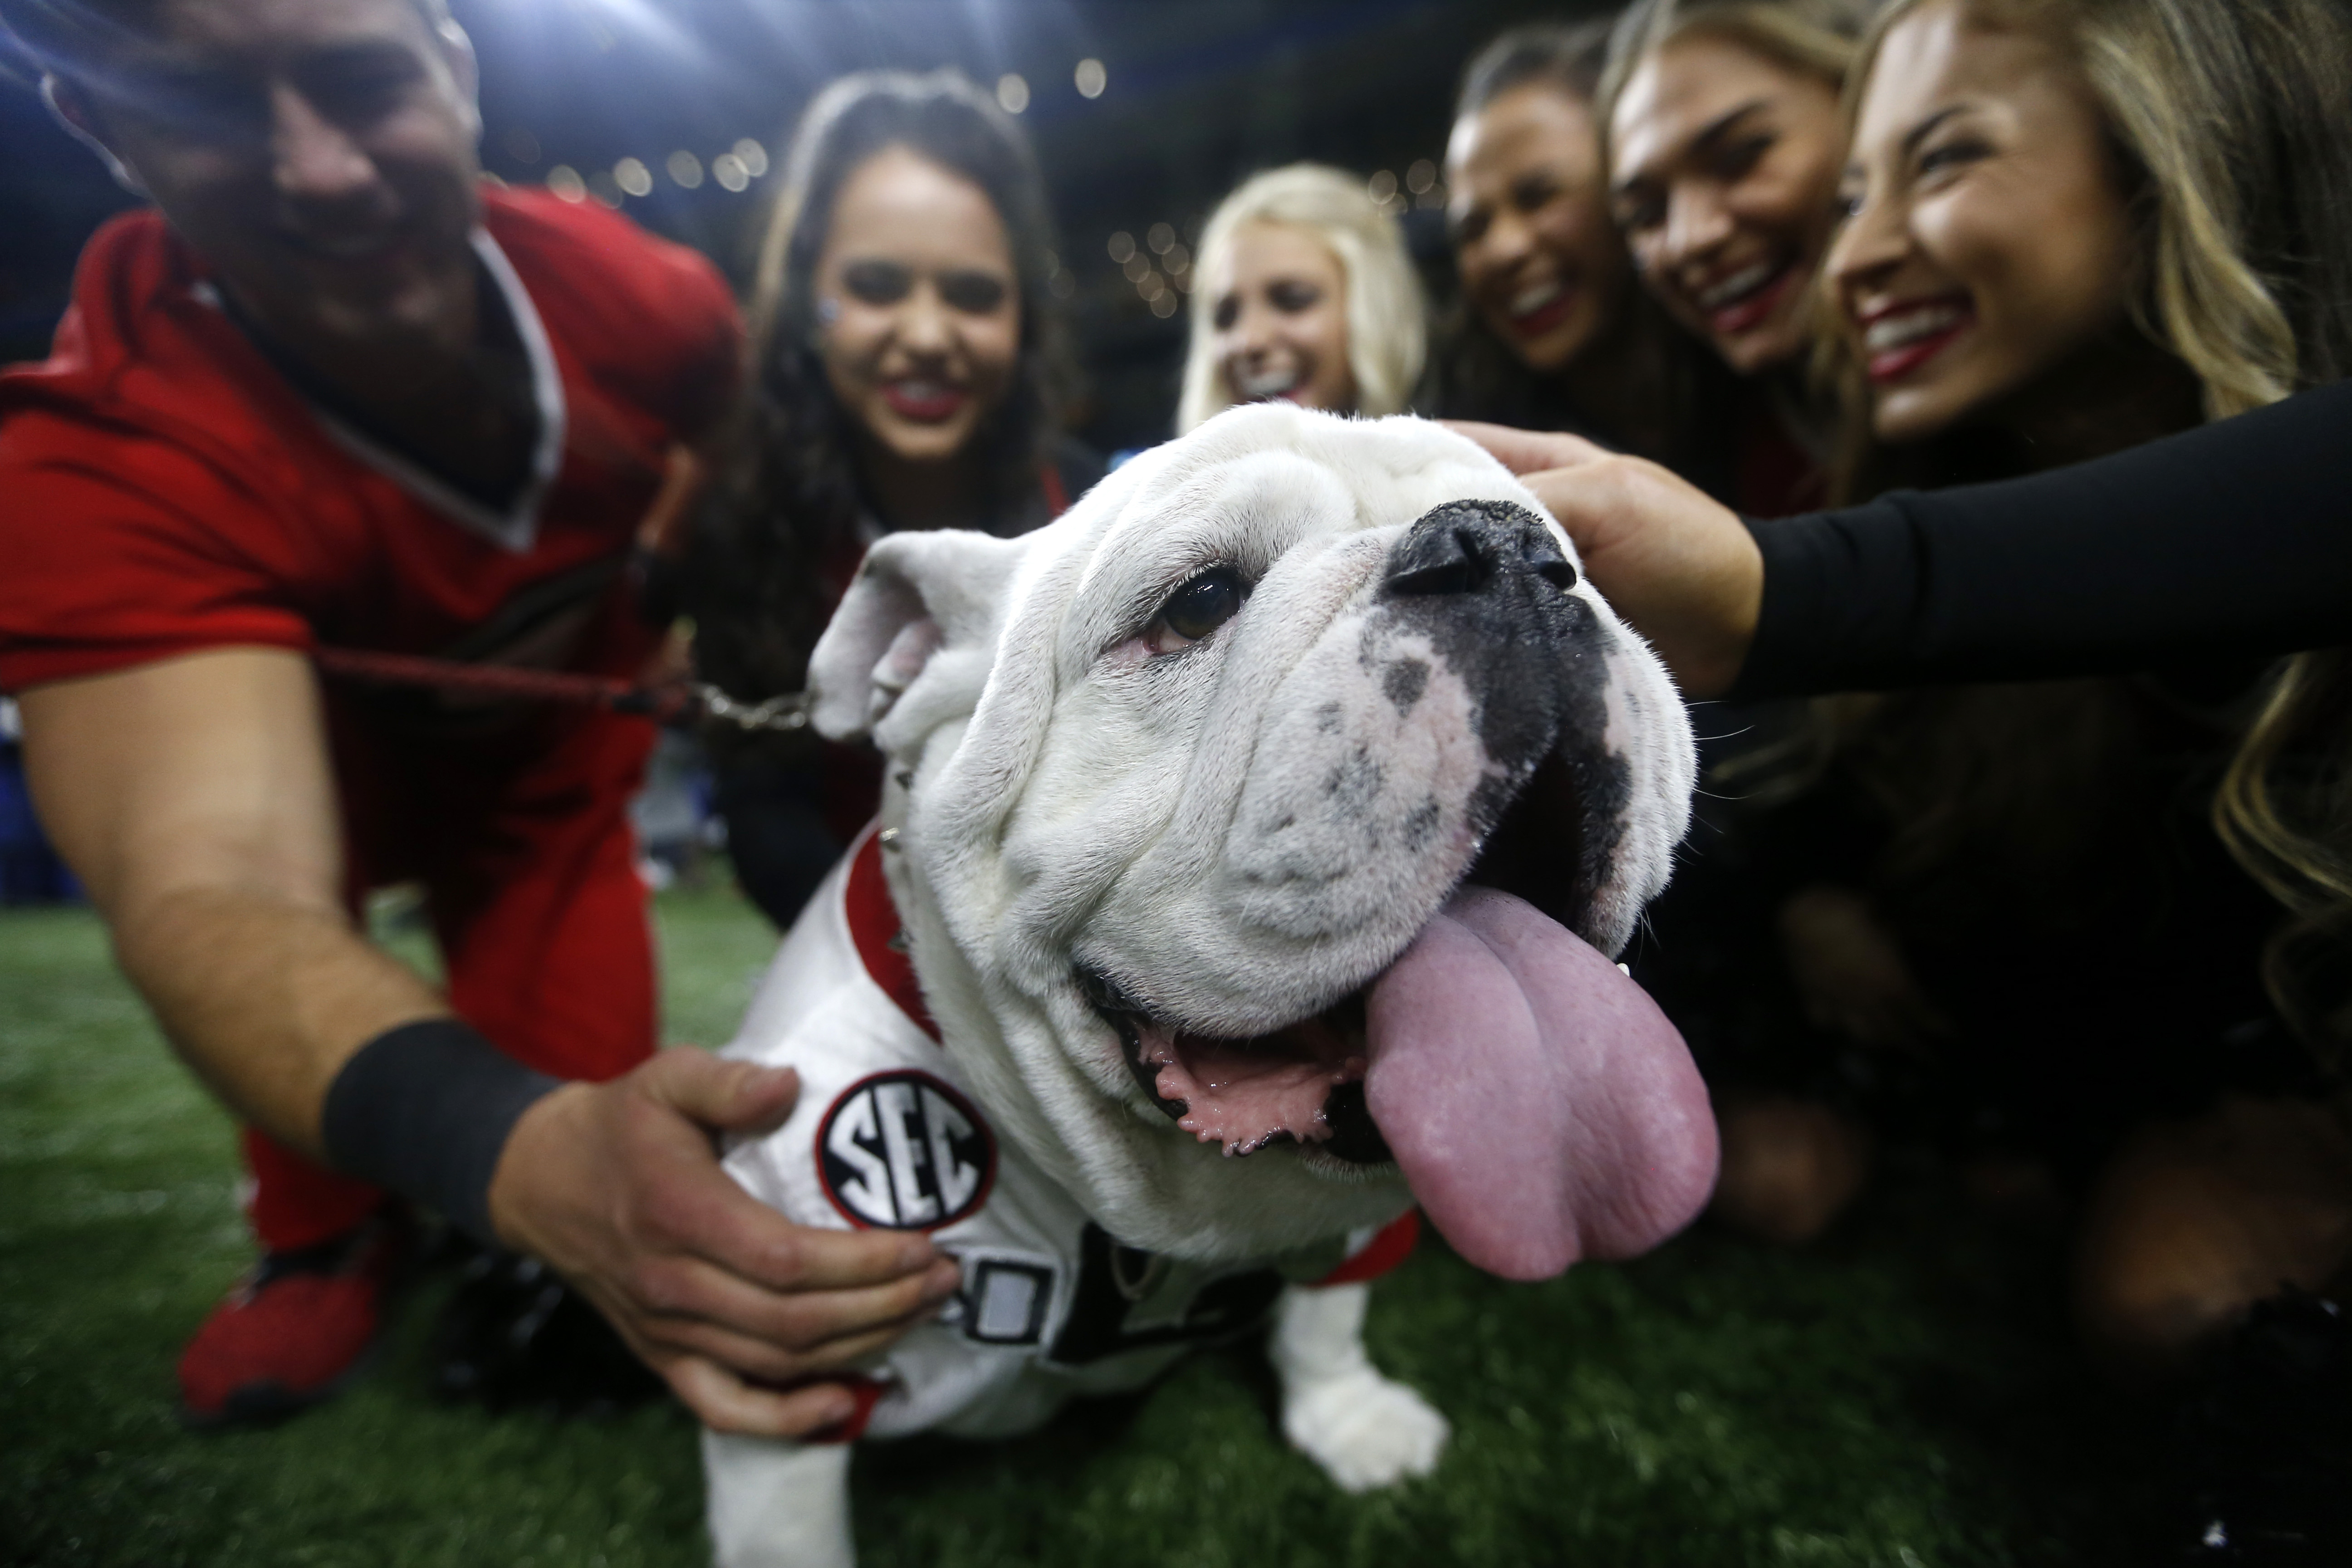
column 1527, row 203
column 1195, row 804
column 918, row 318
column 1988, row 237
column 1722, row 166
column 318, row 154
column 1279, row 305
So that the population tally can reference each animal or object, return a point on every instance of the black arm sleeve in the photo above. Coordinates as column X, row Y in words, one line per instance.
column 2232, row 539
column 426, row 1109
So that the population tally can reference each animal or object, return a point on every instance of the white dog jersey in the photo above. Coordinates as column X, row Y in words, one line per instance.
column 884, row 1136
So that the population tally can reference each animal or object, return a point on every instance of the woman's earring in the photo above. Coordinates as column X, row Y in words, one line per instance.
column 828, row 310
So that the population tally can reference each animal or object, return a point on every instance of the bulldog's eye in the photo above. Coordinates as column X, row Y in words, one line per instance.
column 1196, row 609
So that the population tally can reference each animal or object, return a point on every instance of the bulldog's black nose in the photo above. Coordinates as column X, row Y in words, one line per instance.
column 1466, row 546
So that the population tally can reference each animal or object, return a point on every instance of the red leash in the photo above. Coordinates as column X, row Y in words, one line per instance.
column 662, row 704
column 669, row 703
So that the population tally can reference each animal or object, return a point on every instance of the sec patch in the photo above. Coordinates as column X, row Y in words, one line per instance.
column 901, row 1151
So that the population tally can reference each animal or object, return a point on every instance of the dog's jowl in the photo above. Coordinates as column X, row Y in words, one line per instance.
column 1258, row 840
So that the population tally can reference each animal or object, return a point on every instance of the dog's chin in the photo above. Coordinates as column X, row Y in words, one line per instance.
column 1302, row 1085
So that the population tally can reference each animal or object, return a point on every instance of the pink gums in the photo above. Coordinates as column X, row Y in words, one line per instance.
column 1246, row 1093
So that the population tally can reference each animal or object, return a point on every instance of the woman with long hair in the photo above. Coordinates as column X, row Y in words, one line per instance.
column 2076, row 225
column 1550, row 330
column 908, row 371
column 1720, row 124
column 1304, row 292
column 1724, row 140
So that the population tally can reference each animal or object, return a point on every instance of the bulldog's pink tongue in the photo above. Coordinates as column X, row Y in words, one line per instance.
column 1539, row 1102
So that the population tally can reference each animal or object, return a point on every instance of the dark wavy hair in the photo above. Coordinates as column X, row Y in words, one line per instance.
column 785, row 502
column 1473, row 375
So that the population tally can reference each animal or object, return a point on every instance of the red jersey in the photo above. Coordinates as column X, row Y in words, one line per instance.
column 163, row 488
column 166, row 489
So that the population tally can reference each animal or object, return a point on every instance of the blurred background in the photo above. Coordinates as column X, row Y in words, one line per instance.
column 1143, row 114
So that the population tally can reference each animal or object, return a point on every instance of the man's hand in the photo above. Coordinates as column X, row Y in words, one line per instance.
column 1679, row 565
column 617, row 1187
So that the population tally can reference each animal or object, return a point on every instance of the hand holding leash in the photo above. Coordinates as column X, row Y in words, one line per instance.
column 617, row 1187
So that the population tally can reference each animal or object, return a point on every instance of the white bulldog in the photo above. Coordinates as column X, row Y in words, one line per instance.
column 1284, row 799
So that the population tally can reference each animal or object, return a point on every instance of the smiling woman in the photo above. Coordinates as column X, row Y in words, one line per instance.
column 1550, row 333
column 2073, row 226
column 909, row 368
column 2037, row 252
column 1304, row 294
column 919, row 323
column 1724, row 143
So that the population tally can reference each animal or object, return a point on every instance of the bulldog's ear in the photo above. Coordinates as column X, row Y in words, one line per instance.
column 917, row 594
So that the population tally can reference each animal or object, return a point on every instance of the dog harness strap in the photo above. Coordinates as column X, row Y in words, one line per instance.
column 881, row 943
column 424, row 1109
column 1390, row 1245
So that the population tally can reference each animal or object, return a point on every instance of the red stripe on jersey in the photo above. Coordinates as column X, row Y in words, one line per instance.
column 1057, row 494
column 1390, row 1245
column 873, row 926
column 865, row 1391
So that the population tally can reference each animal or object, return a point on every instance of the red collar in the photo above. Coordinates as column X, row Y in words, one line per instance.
column 881, row 942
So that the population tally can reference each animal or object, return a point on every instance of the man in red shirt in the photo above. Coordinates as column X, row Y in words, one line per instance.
column 334, row 392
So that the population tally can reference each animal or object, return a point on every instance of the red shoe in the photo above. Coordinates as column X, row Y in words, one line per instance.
column 294, row 1329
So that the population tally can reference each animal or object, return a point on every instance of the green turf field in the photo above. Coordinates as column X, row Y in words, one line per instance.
column 1900, row 1394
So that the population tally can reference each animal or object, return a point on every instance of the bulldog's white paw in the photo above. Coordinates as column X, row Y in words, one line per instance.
column 777, row 1505
column 1364, row 1430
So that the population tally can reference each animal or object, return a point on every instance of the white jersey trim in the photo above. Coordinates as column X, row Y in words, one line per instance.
column 516, row 528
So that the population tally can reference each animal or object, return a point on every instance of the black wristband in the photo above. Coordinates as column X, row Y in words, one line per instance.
column 424, row 1109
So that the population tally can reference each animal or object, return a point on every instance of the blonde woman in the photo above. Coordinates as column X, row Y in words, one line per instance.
column 1304, row 292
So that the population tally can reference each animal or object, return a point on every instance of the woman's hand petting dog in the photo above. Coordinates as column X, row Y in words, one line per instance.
column 617, row 1187
column 1851, row 974
column 1677, row 564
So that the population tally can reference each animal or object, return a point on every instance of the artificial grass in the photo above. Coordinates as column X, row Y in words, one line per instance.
column 1899, row 1395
